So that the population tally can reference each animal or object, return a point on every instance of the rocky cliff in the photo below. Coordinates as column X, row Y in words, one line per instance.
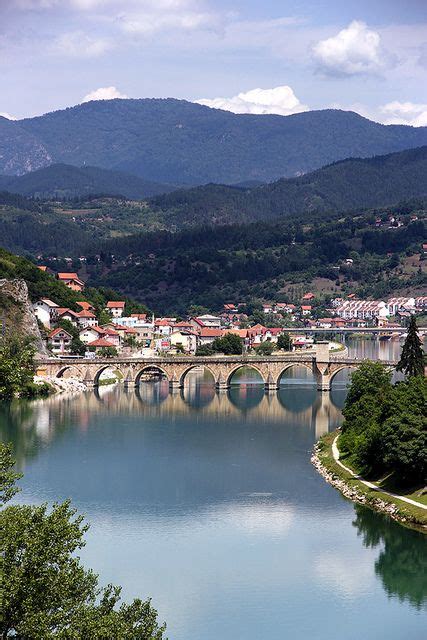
column 16, row 313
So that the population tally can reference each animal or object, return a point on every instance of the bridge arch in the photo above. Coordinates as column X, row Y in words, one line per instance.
column 146, row 369
column 69, row 367
column 245, row 365
column 187, row 370
column 344, row 367
column 101, row 370
column 292, row 365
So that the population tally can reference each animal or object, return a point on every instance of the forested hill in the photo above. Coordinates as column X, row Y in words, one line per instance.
column 178, row 142
column 343, row 186
column 66, row 181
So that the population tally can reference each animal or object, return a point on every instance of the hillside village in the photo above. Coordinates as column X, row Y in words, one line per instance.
column 81, row 332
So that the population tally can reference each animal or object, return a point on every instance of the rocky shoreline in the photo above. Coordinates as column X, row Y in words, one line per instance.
column 355, row 495
column 62, row 385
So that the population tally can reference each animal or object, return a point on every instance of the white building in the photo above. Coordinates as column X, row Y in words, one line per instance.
column 45, row 311
column 115, row 308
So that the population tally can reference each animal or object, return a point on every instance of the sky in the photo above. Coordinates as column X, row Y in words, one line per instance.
column 246, row 56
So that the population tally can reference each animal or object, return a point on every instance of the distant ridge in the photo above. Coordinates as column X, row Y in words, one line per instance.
column 66, row 181
column 342, row 186
column 179, row 142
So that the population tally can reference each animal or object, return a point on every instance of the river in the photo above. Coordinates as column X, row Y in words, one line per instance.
column 208, row 503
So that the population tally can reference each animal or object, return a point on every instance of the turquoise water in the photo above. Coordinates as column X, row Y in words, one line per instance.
column 208, row 503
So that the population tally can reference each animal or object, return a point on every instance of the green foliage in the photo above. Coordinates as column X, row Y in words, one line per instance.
column 284, row 342
column 45, row 590
column 385, row 425
column 108, row 352
column 412, row 359
column 230, row 344
column 8, row 476
column 344, row 186
column 59, row 181
column 16, row 368
column 265, row 348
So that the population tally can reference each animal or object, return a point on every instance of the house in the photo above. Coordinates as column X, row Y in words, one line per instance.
column 230, row 308
column 115, row 308
column 268, row 308
column 184, row 325
column 255, row 334
column 67, row 314
column 187, row 340
column 45, row 311
column 42, row 267
column 72, row 281
column 111, row 335
column 87, row 319
column 209, row 334
column 306, row 309
column 308, row 296
column 89, row 334
column 209, row 321
column 100, row 343
column 163, row 326
column 324, row 323
column 86, row 306
column 59, row 341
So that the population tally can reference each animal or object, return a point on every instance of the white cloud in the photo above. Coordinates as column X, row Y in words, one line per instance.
column 6, row 115
column 280, row 100
column 78, row 44
column 405, row 113
column 104, row 93
column 354, row 50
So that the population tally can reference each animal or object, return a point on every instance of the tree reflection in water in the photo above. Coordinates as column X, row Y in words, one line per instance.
column 402, row 562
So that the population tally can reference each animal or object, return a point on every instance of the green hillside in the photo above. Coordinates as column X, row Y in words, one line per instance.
column 209, row 266
column 178, row 142
column 59, row 181
column 343, row 186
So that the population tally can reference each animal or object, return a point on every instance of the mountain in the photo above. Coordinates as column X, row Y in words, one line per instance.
column 342, row 186
column 178, row 142
column 67, row 181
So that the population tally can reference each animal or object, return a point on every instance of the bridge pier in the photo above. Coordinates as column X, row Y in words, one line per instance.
column 271, row 384
column 322, row 366
column 175, row 384
column 221, row 383
column 88, row 380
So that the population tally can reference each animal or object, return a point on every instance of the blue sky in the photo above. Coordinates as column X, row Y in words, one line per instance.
column 268, row 56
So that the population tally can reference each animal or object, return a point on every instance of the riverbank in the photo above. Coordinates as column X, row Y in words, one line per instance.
column 363, row 492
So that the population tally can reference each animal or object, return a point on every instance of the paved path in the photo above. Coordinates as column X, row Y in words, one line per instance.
column 371, row 485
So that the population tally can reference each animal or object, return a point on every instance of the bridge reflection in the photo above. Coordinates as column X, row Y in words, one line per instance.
column 31, row 424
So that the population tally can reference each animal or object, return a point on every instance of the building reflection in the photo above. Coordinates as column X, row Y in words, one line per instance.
column 30, row 425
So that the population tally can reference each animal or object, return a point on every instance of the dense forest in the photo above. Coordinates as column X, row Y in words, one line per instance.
column 62, row 181
column 343, row 186
column 178, row 142
column 210, row 266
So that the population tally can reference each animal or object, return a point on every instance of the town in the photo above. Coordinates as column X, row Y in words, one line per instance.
column 81, row 332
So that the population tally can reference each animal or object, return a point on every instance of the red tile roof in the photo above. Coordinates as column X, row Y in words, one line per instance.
column 86, row 314
column 55, row 332
column 68, row 276
column 116, row 305
column 100, row 342
column 208, row 332
column 85, row 305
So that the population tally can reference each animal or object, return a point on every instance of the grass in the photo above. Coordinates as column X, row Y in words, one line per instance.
column 390, row 482
column 409, row 515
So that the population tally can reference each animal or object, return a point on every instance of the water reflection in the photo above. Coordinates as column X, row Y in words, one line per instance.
column 402, row 561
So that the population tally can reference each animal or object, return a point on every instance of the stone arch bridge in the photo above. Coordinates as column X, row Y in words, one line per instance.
column 320, row 362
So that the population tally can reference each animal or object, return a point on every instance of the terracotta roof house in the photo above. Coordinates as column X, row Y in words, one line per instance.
column 59, row 340
column 116, row 308
column 308, row 296
column 87, row 318
column 72, row 281
column 86, row 306
column 100, row 343
column 209, row 334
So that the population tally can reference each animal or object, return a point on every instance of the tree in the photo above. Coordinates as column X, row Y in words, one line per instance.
column 412, row 358
column 107, row 352
column 230, row 344
column 77, row 347
column 265, row 348
column 17, row 369
column 46, row 592
column 284, row 342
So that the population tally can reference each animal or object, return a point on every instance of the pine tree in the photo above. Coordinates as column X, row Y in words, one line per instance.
column 412, row 357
